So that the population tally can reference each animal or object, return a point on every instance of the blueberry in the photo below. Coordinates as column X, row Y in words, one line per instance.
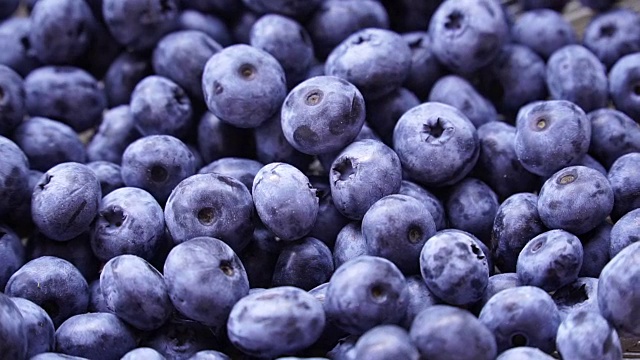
column 20, row 218
column 40, row 330
column 384, row 113
column 365, row 292
column 285, row 201
column 101, row 336
column 304, row 264
column 52, row 283
column 209, row 355
column 139, row 24
column 524, row 353
column 433, row 204
column 618, row 298
column 12, row 254
column 551, row 135
column 467, row 35
column 576, row 199
column 208, row 23
column 363, row 173
column 366, row 133
column 275, row 321
column 580, row 295
column 459, row 93
column 48, row 143
column 159, row 106
column 13, row 330
column 157, row 163
column 195, row 271
column 596, row 244
column 624, row 232
column 16, row 51
column 472, row 206
column 625, row 188
column 179, row 339
column 419, row 298
column 497, row 283
column 243, row 85
column 217, row 139
column 613, row 34
column 543, row 31
column 376, row 61
column 97, row 302
column 136, row 292
column 425, row 67
column 243, row 170
column 61, row 30
column 454, row 267
column 115, row 133
column 437, row 330
column 335, row 20
column 624, row 85
column 143, row 353
column 287, row 41
column 181, row 56
column 436, row 143
column 12, row 101
column 65, row 93
column 396, row 228
column 349, row 244
column 587, row 335
column 272, row 145
column 522, row 316
column 575, row 74
column 108, row 175
column 386, row 342
column 66, row 201
column 322, row 114
column 77, row 251
column 124, row 73
column 613, row 134
column 210, row 205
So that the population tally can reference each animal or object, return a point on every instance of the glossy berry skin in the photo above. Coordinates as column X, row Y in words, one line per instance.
column 497, row 283
column 425, row 68
column 575, row 74
column 613, row 134
column 53, row 284
column 576, row 199
column 550, row 260
column 97, row 335
column 456, row 91
column 471, row 206
column 624, row 184
column 159, row 106
column 624, row 78
column 210, row 205
column 624, row 232
column 524, row 353
column 543, row 31
column 275, row 322
column 136, row 292
column 386, row 342
column 16, row 54
column 322, row 114
column 613, row 34
column 13, row 330
column 396, row 228
column 365, row 292
column 40, row 330
column 14, row 175
column 209, row 355
column 142, row 353
column 12, row 254
column 48, row 143
column 618, row 299
column 551, row 135
column 349, row 244
column 122, row 76
column 160, row 170
column 65, row 201
column 181, row 56
column 363, row 173
column 377, row 61
column 197, row 297
column 12, row 104
column 138, row 25
column 587, row 335
column 243, row 85
column 522, row 316
column 304, row 264
column 115, row 133
column 65, row 93
column 441, row 134
column 435, row 330
column 454, row 267
column 467, row 35
column 285, row 201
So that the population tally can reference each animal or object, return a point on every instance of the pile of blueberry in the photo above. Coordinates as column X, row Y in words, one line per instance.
column 326, row 179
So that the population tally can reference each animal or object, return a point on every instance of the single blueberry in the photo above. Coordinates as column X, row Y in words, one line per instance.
column 497, row 283
column 386, row 342
column 543, row 31
column 624, row 184
column 208, row 23
column 624, row 232
column 15, row 47
column 579, row 295
column 613, row 134
column 425, row 67
column 40, row 330
column 349, row 244
column 596, row 244
column 12, row 254
column 143, row 353
column 472, row 206
column 420, row 298
column 587, row 335
column 115, row 133
column 624, row 85
column 613, row 34
column 456, row 91
column 122, row 76
column 305, row 264
column 13, row 330
column 12, row 100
